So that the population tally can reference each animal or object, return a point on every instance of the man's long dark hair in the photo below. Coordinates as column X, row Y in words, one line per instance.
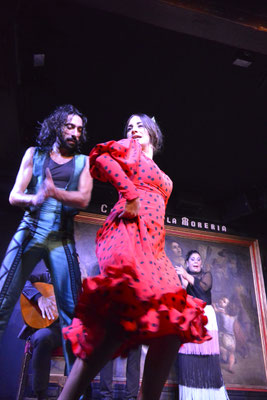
column 53, row 125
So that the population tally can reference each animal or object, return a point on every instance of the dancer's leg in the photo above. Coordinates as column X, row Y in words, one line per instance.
column 67, row 285
column 84, row 371
column 159, row 359
column 23, row 253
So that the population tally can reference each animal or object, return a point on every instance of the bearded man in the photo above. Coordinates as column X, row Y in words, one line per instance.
column 53, row 182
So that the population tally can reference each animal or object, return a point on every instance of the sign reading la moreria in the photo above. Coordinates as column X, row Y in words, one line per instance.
column 182, row 221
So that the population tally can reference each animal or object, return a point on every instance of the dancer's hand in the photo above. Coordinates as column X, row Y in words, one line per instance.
column 181, row 271
column 49, row 185
column 47, row 189
column 47, row 306
column 39, row 197
column 131, row 209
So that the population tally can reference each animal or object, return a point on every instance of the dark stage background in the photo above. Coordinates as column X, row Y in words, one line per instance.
column 174, row 61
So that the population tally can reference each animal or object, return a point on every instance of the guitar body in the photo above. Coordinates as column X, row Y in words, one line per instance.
column 31, row 313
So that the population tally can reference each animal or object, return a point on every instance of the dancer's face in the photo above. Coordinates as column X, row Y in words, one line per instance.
column 194, row 263
column 71, row 133
column 137, row 131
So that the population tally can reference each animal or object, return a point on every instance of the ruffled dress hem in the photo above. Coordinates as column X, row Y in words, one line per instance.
column 107, row 301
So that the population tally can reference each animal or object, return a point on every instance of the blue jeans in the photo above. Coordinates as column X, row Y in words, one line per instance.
column 40, row 237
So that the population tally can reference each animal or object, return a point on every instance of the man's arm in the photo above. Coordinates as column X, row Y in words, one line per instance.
column 17, row 196
column 47, row 305
column 30, row 292
column 79, row 198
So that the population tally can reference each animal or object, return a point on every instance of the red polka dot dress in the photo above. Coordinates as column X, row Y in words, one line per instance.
column 138, row 287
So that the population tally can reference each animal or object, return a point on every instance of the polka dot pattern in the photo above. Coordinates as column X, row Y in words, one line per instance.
column 138, row 287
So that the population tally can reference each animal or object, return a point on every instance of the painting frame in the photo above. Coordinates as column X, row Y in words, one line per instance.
column 238, row 244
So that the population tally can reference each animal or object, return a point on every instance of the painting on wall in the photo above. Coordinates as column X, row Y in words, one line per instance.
column 238, row 294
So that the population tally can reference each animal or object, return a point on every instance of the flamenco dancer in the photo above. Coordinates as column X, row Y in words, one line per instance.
column 199, row 371
column 137, row 298
column 52, row 183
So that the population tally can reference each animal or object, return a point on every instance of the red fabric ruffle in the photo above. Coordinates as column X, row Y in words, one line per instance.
column 107, row 301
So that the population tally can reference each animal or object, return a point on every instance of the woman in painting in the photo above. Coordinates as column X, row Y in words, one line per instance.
column 137, row 298
column 176, row 254
column 198, row 365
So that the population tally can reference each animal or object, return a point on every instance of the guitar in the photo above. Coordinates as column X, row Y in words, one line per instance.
column 31, row 313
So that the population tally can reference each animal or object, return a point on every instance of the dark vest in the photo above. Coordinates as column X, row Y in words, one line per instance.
column 38, row 176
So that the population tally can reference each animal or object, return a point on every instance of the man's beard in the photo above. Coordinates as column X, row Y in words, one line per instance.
column 67, row 145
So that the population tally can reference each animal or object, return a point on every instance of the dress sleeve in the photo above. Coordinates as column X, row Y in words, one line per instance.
column 205, row 283
column 117, row 163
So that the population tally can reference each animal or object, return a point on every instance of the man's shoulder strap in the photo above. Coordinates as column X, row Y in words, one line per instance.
column 38, row 162
column 39, row 155
column 79, row 164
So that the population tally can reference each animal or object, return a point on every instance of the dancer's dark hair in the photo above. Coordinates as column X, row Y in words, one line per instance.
column 153, row 129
